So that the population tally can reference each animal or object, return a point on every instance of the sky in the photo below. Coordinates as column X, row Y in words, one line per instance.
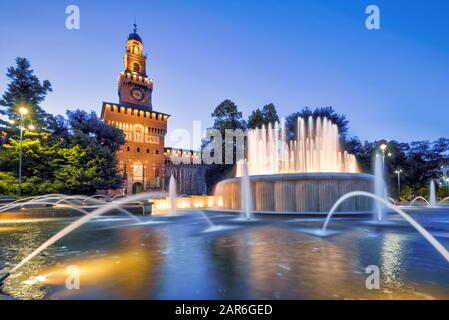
column 391, row 83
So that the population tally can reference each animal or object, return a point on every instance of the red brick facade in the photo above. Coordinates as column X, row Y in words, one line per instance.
column 141, row 158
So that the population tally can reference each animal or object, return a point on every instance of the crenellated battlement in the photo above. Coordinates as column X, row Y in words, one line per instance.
column 133, row 76
column 136, row 111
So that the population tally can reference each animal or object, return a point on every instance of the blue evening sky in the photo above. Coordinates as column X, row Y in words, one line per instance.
column 391, row 83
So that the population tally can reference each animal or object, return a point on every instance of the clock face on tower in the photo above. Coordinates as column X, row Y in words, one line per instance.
column 137, row 94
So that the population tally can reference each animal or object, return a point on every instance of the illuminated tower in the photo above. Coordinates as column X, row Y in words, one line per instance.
column 141, row 158
column 134, row 87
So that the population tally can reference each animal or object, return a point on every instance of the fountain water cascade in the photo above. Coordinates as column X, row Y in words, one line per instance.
column 305, row 175
column 316, row 149
column 432, row 195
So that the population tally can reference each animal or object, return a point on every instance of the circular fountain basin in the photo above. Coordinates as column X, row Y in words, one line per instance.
column 299, row 192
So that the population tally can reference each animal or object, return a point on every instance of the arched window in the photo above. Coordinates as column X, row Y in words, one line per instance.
column 136, row 67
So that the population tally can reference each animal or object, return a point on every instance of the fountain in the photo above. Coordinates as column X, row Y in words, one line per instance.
column 172, row 195
column 432, row 195
column 442, row 201
column 434, row 242
column 419, row 198
column 380, row 188
column 246, row 194
column 78, row 223
column 316, row 149
column 57, row 199
column 306, row 175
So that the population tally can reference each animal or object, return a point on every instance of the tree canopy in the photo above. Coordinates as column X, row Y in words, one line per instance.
column 226, row 117
column 328, row 112
column 73, row 155
column 27, row 91
column 267, row 115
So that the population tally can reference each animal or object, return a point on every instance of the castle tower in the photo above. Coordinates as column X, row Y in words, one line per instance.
column 141, row 158
column 134, row 87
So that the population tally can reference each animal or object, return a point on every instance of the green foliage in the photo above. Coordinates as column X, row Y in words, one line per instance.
column 256, row 119
column 419, row 161
column 73, row 155
column 24, row 90
column 406, row 193
column 267, row 115
column 423, row 192
column 8, row 183
column 226, row 117
column 80, row 163
column 443, row 192
column 328, row 112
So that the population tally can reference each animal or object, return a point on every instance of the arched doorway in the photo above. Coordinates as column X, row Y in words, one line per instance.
column 137, row 187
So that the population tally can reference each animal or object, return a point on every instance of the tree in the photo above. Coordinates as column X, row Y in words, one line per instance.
column 41, row 159
column 443, row 192
column 226, row 117
column 256, row 119
column 24, row 90
column 78, row 161
column 270, row 114
column 88, row 124
column 406, row 193
column 91, row 156
column 8, row 183
column 328, row 112
column 267, row 115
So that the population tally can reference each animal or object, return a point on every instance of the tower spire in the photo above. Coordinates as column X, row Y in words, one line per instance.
column 135, row 25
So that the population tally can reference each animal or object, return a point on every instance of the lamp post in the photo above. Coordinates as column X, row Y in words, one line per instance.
column 398, row 172
column 22, row 112
column 383, row 148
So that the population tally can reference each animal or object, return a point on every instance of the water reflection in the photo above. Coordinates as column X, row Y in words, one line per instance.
column 270, row 259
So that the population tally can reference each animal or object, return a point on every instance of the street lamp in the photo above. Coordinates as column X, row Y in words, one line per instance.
column 23, row 111
column 383, row 148
column 398, row 172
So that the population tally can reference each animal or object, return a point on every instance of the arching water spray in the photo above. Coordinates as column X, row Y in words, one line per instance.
column 444, row 200
column 419, row 198
column 63, row 199
column 81, row 221
column 434, row 242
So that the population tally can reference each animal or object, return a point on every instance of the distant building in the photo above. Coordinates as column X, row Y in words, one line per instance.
column 143, row 160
